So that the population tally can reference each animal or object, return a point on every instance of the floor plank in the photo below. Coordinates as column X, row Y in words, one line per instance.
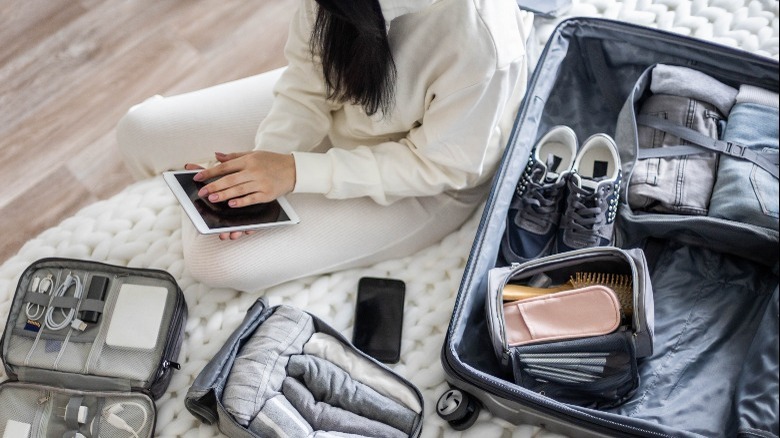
column 70, row 69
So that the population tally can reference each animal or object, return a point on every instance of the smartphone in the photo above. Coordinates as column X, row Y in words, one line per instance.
column 379, row 314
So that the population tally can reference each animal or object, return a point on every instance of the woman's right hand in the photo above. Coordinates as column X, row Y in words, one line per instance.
column 246, row 178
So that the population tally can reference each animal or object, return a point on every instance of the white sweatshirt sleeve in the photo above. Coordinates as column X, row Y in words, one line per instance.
column 455, row 147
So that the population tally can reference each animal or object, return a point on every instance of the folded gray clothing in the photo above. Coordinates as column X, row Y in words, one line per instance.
column 675, row 184
column 279, row 418
column 686, row 82
column 679, row 184
column 362, row 369
column 330, row 384
column 322, row 416
column 260, row 366
column 752, row 94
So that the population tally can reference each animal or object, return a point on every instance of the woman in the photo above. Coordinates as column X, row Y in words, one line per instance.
column 383, row 131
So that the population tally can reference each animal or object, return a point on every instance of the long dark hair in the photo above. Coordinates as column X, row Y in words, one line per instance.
column 351, row 39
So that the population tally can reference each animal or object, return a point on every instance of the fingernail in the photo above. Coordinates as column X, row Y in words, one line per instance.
column 198, row 177
column 213, row 197
column 232, row 203
column 219, row 154
column 202, row 192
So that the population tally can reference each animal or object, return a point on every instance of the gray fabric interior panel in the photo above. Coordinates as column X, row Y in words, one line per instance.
column 758, row 406
column 701, row 339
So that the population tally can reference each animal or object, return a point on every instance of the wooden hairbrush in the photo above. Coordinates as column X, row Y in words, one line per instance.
column 621, row 284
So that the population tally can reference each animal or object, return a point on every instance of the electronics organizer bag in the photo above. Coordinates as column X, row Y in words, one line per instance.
column 88, row 348
column 246, row 388
column 714, row 366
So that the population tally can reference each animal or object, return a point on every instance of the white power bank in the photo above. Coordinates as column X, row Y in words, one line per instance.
column 16, row 429
column 137, row 316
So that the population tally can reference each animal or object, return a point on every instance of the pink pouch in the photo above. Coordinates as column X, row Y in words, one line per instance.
column 577, row 313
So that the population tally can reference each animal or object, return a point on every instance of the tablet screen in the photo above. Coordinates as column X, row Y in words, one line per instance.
column 219, row 217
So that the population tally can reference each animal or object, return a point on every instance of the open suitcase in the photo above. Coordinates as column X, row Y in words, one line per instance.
column 713, row 370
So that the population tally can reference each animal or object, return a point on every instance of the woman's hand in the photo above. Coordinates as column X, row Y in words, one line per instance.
column 247, row 178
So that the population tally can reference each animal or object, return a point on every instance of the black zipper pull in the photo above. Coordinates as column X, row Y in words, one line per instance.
column 169, row 364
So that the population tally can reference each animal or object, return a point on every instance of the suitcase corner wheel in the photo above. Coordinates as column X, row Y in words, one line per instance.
column 459, row 409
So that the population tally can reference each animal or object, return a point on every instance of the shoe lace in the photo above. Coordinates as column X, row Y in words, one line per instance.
column 538, row 200
column 586, row 211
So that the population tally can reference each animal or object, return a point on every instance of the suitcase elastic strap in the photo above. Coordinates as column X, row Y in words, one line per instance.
column 767, row 161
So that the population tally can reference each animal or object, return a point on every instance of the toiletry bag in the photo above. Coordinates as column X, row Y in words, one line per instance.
column 88, row 347
column 579, row 344
column 285, row 372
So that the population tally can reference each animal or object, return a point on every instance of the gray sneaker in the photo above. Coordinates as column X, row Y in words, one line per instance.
column 535, row 210
column 592, row 201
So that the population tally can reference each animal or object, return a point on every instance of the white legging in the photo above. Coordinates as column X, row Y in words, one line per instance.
column 165, row 133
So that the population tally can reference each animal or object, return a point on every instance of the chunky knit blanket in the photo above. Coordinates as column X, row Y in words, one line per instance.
column 140, row 227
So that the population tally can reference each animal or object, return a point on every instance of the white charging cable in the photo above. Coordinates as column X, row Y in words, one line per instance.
column 42, row 286
column 110, row 415
column 70, row 280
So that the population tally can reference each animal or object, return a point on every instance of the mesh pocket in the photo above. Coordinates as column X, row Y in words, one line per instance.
column 48, row 352
column 22, row 406
column 135, row 365
column 22, row 347
column 53, row 411
column 597, row 372
column 136, row 413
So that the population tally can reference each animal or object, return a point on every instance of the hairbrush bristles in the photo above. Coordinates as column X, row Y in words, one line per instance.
column 620, row 283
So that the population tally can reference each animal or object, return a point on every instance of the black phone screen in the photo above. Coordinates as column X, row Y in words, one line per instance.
column 379, row 313
column 219, row 215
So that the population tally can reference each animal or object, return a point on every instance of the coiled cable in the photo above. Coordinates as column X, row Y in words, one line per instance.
column 42, row 286
column 70, row 281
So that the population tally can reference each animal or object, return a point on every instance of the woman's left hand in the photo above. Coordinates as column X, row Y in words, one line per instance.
column 248, row 178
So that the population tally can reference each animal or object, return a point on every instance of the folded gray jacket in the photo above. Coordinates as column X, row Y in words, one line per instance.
column 330, row 384
column 279, row 418
column 260, row 367
column 361, row 369
column 322, row 416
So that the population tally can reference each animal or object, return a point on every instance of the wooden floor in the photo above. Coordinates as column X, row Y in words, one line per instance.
column 69, row 69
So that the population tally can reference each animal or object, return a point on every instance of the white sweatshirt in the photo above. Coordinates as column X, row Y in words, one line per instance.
column 461, row 74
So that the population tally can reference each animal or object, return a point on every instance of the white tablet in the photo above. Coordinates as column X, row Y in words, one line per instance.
column 218, row 217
